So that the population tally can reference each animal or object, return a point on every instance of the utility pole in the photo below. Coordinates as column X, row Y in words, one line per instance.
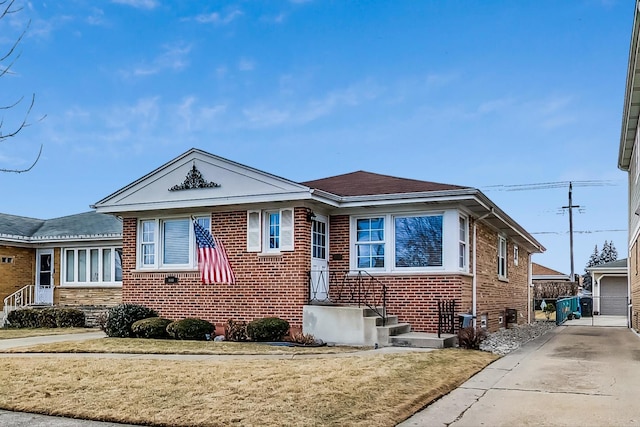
column 570, row 207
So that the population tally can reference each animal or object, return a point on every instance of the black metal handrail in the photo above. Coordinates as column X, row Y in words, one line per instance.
column 446, row 317
column 348, row 287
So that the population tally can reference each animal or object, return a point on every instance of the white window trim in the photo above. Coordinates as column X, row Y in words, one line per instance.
column 465, row 267
column 450, row 241
column 516, row 254
column 503, row 256
column 159, row 244
column 88, row 283
column 258, row 231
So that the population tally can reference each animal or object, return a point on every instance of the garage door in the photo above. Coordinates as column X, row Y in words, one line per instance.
column 613, row 297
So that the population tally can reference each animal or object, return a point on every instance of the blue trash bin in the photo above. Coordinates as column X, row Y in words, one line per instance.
column 465, row 320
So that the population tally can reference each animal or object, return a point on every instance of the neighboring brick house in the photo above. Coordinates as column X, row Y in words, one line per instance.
column 69, row 261
column 545, row 274
column 550, row 284
column 629, row 161
column 293, row 245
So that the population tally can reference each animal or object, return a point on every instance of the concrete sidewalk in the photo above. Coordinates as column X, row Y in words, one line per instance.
column 48, row 339
column 573, row 376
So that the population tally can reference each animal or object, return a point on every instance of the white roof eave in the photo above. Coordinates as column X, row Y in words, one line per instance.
column 631, row 107
column 204, row 202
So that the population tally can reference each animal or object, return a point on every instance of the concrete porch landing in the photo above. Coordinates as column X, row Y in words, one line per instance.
column 423, row 340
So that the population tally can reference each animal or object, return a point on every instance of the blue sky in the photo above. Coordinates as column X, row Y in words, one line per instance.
column 476, row 93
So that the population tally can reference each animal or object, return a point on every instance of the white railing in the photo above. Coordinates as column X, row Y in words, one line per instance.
column 20, row 298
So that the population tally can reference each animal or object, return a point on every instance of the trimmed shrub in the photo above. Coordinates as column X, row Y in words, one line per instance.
column 23, row 318
column 190, row 329
column 267, row 329
column 69, row 318
column 235, row 331
column 46, row 318
column 121, row 317
column 151, row 327
column 470, row 337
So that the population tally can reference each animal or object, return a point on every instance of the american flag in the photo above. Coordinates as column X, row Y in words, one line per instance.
column 212, row 258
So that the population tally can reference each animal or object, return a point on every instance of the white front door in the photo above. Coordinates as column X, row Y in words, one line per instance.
column 44, row 277
column 319, row 253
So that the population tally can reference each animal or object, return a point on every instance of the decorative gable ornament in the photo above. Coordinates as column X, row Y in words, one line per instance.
column 194, row 179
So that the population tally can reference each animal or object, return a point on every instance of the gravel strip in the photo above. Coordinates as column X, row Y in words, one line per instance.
column 506, row 340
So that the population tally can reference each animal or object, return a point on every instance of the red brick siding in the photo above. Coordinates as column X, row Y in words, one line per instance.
column 494, row 295
column 414, row 298
column 266, row 285
column 278, row 286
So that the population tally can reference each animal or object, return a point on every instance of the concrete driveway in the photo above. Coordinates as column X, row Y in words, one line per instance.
column 573, row 376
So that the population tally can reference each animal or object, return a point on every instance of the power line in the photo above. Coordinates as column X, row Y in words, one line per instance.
column 581, row 231
column 551, row 185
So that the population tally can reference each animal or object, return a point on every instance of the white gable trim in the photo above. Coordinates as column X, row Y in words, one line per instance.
column 239, row 184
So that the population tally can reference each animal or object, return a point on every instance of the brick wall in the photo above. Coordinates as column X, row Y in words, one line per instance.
column 278, row 285
column 87, row 296
column 266, row 285
column 495, row 295
column 414, row 297
column 19, row 273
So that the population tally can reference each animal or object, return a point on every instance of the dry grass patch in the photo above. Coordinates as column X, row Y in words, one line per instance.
column 377, row 390
column 153, row 346
column 36, row 332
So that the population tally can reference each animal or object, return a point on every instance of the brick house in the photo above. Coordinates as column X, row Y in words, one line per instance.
column 296, row 248
column 629, row 161
column 72, row 261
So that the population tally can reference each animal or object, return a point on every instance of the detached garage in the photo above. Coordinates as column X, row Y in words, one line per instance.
column 610, row 288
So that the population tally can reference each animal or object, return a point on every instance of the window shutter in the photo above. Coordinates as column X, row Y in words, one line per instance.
column 253, row 231
column 286, row 229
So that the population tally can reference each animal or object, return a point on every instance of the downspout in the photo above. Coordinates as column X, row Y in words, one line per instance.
column 474, row 279
column 529, row 289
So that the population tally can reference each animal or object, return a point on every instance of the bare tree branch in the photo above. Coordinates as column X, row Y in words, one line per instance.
column 29, row 168
column 7, row 7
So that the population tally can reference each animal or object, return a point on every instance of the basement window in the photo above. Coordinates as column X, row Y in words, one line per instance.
column 6, row 260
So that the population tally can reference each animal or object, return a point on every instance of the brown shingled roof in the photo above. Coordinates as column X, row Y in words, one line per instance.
column 541, row 270
column 363, row 183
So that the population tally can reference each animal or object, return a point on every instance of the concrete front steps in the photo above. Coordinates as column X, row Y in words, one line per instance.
column 346, row 325
column 394, row 334
column 423, row 340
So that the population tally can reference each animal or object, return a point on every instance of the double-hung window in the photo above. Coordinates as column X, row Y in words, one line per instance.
column 462, row 243
column 168, row 242
column 92, row 266
column 370, row 242
column 270, row 231
column 502, row 257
